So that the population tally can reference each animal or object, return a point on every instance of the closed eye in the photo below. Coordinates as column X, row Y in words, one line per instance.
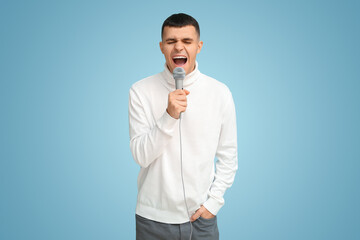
column 187, row 40
column 170, row 40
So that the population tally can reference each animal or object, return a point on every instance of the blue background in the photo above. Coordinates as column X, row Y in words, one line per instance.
column 66, row 67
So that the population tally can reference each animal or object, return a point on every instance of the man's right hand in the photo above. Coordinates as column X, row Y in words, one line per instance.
column 177, row 102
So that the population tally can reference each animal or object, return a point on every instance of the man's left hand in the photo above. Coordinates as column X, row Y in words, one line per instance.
column 203, row 212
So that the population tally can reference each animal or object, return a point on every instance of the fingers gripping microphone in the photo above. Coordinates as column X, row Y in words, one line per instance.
column 179, row 75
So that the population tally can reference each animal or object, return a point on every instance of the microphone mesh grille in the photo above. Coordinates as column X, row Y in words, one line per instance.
column 179, row 73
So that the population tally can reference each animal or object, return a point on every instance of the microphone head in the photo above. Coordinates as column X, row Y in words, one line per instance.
column 179, row 73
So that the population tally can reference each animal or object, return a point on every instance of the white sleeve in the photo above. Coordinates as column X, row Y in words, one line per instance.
column 147, row 142
column 226, row 164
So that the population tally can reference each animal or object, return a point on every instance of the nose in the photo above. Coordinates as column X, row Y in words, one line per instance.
column 179, row 46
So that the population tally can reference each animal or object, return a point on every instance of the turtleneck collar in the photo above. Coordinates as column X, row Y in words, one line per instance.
column 189, row 79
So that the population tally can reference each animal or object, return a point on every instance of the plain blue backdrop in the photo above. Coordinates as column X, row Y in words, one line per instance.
column 66, row 170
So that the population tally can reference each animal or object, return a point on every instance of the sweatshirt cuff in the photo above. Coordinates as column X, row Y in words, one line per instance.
column 166, row 123
column 213, row 205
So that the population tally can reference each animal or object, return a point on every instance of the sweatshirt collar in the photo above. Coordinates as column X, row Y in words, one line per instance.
column 189, row 79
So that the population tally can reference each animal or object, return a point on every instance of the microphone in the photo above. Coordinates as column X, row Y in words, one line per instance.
column 179, row 75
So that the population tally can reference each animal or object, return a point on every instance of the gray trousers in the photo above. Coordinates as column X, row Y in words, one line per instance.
column 203, row 229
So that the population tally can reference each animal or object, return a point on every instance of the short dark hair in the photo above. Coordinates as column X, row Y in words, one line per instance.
column 180, row 20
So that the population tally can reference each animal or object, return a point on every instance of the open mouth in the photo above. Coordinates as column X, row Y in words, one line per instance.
column 179, row 60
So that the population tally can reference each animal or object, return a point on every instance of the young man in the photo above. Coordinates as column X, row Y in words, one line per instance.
column 208, row 130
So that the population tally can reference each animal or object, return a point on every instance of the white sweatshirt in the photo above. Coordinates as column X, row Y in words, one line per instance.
column 208, row 129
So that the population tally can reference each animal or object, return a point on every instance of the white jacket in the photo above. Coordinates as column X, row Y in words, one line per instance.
column 208, row 129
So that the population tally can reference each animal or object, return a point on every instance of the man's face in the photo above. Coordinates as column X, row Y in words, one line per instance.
column 180, row 46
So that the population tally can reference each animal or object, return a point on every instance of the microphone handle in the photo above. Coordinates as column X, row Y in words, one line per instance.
column 181, row 112
column 179, row 85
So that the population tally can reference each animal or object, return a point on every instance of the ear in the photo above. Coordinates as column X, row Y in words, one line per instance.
column 200, row 44
column 160, row 44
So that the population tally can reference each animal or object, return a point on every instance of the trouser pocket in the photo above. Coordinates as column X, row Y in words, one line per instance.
column 205, row 229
